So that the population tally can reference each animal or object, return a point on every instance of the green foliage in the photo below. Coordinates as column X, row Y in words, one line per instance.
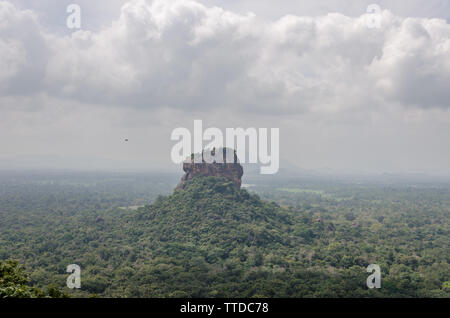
column 14, row 283
column 213, row 240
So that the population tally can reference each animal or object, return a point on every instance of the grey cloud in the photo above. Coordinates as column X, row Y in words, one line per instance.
column 23, row 51
column 415, row 66
column 182, row 54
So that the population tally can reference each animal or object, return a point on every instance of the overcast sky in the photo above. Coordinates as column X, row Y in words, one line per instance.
column 345, row 96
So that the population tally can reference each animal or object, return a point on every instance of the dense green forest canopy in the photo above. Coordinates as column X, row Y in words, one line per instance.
column 14, row 283
column 290, row 238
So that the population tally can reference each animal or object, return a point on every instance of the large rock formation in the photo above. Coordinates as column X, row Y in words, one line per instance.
column 221, row 166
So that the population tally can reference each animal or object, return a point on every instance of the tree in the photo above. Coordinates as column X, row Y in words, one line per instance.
column 14, row 283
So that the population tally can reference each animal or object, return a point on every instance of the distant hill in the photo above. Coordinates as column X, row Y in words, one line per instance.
column 212, row 239
column 211, row 210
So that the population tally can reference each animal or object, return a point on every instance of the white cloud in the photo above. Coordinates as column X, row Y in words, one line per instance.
column 13, row 57
column 415, row 66
column 23, row 51
column 182, row 54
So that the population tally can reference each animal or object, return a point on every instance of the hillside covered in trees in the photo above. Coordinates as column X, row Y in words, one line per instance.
column 211, row 239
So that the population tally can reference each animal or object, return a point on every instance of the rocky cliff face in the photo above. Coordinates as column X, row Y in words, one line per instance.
column 222, row 162
column 231, row 171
